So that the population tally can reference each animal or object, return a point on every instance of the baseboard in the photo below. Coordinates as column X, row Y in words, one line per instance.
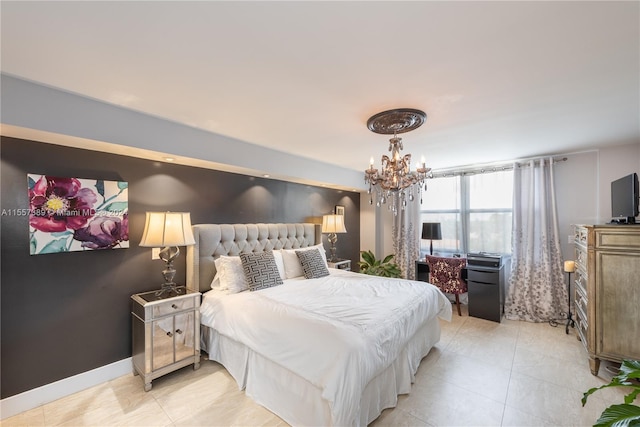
column 22, row 402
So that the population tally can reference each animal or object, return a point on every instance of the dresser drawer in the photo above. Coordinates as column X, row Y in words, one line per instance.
column 581, row 283
column 580, row 235
column 581, row 258
column 583, row 329
column 581, row 303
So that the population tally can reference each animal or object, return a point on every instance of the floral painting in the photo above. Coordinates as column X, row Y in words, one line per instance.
column 72, row 214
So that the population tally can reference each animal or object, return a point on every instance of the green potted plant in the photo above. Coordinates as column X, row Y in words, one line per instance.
column 375, row 267
column 626, row 414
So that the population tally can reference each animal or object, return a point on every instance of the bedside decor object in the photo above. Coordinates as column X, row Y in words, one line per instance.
column 167, row 230
column 569, row 267
column 395, row 179
column 333, row 224
column 73, row 214
column 431, row 231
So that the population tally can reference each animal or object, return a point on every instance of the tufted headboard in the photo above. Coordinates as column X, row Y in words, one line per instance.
column 213, row 240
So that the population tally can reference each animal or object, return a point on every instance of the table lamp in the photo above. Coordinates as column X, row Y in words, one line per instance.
column 333, row 224
column 431, row 231
column 167, row 230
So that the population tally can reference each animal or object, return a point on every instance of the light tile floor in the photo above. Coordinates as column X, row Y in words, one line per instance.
column 481, row 373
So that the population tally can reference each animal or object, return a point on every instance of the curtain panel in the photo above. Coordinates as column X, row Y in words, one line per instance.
column 406, row 237
column 536, row 291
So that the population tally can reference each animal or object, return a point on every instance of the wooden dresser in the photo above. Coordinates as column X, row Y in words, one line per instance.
column 607, row 291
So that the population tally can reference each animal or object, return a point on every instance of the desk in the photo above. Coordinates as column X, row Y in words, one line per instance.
column 485, row 288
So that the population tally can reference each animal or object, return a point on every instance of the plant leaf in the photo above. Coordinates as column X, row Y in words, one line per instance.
column 619, row 416
column 629, row 369
column 123, row 184
column 388, row 258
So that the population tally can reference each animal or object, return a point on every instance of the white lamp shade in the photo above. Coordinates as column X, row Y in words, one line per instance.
column 163, row 229
column 333, row 224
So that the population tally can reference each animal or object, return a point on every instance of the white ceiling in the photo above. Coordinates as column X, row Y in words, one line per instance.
column 498, row 80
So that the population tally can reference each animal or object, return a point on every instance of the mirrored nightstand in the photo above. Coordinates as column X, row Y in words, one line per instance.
column 341, row 264
column 166, row 332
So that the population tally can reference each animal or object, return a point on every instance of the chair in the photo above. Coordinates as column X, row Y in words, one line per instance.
column 446, row 274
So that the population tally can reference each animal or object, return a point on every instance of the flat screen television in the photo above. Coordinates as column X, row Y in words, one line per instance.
column 624, row 199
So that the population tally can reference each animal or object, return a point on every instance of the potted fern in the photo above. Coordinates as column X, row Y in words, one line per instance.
column 626, row 414
column 378, row 267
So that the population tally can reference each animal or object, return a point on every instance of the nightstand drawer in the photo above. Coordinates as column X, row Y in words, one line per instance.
column 149, row 306
column 172, row 307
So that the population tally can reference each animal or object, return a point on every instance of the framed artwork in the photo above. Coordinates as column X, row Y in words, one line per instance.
column 73, row 214
column 339, row 210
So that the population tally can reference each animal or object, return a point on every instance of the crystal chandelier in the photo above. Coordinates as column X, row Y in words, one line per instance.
column 395, row 181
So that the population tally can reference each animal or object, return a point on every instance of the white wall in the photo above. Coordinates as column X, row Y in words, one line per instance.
column 41, row 108
column 576, row 195
column 375, row 227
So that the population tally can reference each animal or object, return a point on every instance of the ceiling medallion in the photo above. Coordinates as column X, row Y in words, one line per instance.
column 396, row 180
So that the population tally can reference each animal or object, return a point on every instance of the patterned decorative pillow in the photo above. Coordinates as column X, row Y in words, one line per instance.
column 313, row 265
column 292, row 266
column 260, row 270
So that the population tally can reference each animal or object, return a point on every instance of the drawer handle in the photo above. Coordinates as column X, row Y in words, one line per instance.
column 178, row 331
column 174, row 306
column 169, row 334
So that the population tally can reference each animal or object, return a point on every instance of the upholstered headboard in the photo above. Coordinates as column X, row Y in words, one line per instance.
column 213, row 240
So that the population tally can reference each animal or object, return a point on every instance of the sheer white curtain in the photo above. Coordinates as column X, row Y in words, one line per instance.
column 536, row 290
column 406, row 237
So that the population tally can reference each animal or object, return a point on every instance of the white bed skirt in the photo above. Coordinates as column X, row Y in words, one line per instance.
column 300, row 403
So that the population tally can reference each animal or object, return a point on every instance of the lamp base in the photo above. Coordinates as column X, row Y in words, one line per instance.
column 168, row 254
column 333, row 238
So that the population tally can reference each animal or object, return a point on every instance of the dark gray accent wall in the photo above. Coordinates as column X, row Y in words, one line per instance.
column 67, row 313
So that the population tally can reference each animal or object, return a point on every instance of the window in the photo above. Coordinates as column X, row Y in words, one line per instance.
column 474, row 212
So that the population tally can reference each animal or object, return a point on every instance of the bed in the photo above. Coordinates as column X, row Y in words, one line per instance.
column 326, row 350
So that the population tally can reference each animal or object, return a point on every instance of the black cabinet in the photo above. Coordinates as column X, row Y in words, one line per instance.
column 486, row 291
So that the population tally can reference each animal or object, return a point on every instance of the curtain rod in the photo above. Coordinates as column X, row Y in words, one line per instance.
column 490, row 168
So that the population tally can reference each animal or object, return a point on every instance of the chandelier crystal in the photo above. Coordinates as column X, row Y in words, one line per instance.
column 395, row 181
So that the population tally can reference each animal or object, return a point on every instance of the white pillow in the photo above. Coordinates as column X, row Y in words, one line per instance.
column 279, row 263
column 229, row 275
column 292, row 266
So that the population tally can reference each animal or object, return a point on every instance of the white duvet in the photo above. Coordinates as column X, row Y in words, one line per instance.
column 337, row 332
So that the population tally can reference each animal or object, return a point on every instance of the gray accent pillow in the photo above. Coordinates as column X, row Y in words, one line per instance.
column 313, row 265
column 260, row 270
